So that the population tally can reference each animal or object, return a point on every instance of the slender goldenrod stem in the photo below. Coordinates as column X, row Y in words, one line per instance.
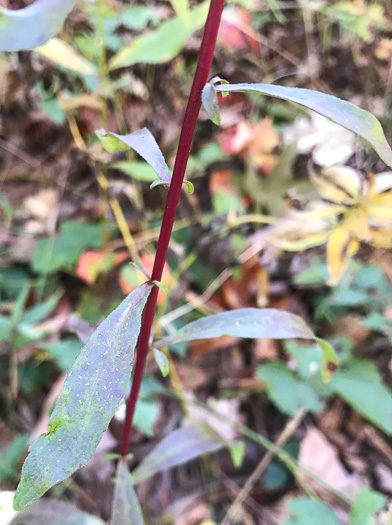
column 184, row 147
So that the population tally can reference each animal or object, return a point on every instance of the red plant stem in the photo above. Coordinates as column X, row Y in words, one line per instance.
column 184, row 148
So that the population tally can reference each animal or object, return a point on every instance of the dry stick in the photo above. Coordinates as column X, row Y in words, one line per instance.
column 184, row 147
column 235, row 508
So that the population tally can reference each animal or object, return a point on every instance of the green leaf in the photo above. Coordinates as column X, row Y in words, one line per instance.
column 308, row 511
column 64, row 352
column 376, row 321
column 64, row 251
column 329, row 360
column 209, row 99
column 285, row 391
column 179, row 446
column 19, row 305
column 162, row 44
column 147, row 408
column 9, row 459
column 344, row 113
column 50, row 512
column 137, row 170
column 146, row 414
column 144, row 144
column 181, row 7
column 92, row 391
column 237, row 453
column 253, row 323
column 360, row 385
column 138, row 16
column 366, row 503
column 5, row 328
column 39, row 312
column 190, row 186
column 162, row 361
column 64, row 55
column 125, row 508
column 34, row 25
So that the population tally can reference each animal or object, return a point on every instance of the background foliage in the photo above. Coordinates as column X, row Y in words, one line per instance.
column 283, row 446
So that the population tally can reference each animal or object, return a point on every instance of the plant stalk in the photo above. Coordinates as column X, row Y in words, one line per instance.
column 184, row 147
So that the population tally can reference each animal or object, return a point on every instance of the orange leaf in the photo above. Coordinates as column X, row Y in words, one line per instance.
column 93, row 262
column 130, row 277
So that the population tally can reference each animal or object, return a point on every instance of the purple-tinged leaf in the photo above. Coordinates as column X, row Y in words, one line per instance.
column 34, row 25
column 264, row 323
column 344, row 113
column 50, row 512
column 93, row 389
column 125, row 508
column 178, row 447
column 246, row 322
column 144, row 144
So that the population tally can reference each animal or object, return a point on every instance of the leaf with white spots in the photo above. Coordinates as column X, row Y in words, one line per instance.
column 93, row 389
column 263, row 323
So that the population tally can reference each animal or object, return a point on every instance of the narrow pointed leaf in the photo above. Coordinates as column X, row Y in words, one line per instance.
column 144, row 144
column 34, row 25
column 92, row 391
column 209, row 99
column 50, row 512
column 246, row 322
column 162, row 361
column 163, row 43
column 63, row 54
column 179, row 446
column 344, row 113
column 126, row 508
column 266, row 323
column 182, row 9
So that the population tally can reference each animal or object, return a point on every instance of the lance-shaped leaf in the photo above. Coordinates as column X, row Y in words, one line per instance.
column 125, row 508
column 48, row 512
column 144, row 144
column 266, row 323
column 181, row 445
column 92, row 391
column 161, row 44
column 355, row 119
column 63, row 54
column 34, row 25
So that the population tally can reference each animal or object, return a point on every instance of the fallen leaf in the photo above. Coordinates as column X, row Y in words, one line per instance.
column 320, row 456
column 94, row 262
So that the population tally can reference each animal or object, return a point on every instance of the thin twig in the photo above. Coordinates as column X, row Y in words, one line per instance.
column 234, row 511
